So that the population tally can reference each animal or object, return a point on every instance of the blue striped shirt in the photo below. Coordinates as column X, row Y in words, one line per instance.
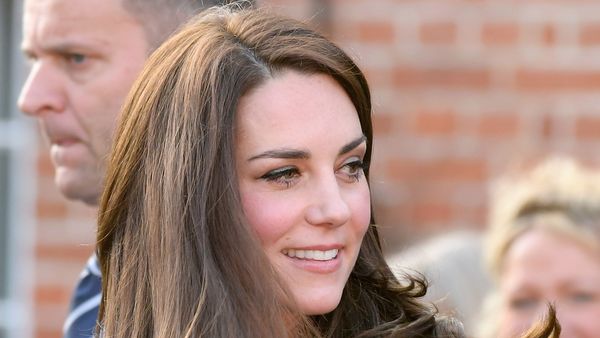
column 83, row 313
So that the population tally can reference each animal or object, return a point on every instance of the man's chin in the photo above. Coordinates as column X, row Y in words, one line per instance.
column 77, row 188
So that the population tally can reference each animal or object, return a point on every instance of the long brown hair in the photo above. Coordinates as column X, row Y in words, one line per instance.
column 177, row 255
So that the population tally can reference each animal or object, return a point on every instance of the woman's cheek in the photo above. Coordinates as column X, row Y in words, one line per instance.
column 268, row 215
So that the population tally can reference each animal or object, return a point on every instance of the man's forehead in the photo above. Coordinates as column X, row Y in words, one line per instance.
column 85, row 13
column 73, row 22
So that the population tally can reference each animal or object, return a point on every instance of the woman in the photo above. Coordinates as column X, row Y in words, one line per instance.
column 237, row 202
column 544, row 247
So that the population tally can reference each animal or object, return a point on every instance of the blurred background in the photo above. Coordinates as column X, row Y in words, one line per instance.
column 463, row 90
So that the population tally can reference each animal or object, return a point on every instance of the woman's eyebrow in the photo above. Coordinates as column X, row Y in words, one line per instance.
column 353, row 144
column 282, row 153
column 287, row 153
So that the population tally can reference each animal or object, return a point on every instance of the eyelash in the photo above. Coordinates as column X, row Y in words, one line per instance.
column 282, row 176
column 357, row 169
column 286, row 175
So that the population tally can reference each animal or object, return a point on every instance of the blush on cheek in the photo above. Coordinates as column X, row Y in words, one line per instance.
column 266, row 216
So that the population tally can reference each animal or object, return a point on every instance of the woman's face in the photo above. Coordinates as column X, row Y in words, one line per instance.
column 299, row 158
column 541, row 267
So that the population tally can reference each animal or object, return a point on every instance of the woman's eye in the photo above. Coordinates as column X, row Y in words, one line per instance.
column 353, row 169
column 284, row 176
column 524, row 303
column 582, row 297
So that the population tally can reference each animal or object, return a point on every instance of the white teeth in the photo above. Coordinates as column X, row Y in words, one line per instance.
column 317, row 255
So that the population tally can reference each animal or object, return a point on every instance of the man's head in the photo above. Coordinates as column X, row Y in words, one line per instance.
column 84, row 57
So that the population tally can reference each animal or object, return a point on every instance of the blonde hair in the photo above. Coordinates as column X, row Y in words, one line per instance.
column 558, row 195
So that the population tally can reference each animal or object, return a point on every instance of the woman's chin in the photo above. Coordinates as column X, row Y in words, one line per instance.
column 319, row 305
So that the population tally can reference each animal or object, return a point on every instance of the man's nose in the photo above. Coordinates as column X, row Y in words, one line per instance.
column 42, row 92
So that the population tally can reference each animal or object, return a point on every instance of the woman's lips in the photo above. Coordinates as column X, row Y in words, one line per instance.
column 312, row 260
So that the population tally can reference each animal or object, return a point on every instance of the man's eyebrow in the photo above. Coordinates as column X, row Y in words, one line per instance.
column 282, row 153
column 353, row 144
column 66, row 48
column 63, row 47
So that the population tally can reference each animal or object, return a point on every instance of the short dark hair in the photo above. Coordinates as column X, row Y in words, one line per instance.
column 160, row 18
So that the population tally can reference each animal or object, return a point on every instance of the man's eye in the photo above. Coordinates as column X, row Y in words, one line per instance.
column 76, row 58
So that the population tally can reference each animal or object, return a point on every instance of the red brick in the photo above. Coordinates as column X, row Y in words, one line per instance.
column 555, row 80
column 64, row 252
column 436, row 122
column 459, row 170
column 589, row 35
column 47, row 333
column 547, row 127
column 587, row 128
column 383, row 124
column 378, row 78
column 44, row 165
column 51, row 209
column 49, row 319
column 498, row 125
column 376, row 32
column 477, row 215
column 438, row 32
column 52, row 294
column 438, row 170
column 499, row 33
column 404, row 170
column 549, row 35
column 430, row 212
column 452, row 78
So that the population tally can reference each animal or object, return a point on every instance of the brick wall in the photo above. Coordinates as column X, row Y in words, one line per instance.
column 462, row 89
column 462, row 92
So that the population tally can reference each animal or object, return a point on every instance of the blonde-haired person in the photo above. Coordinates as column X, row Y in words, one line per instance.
column 543, row 247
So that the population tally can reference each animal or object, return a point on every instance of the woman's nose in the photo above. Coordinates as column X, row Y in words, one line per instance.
column 328, row 205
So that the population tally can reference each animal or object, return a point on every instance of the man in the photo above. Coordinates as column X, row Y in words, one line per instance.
column 84, row 57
